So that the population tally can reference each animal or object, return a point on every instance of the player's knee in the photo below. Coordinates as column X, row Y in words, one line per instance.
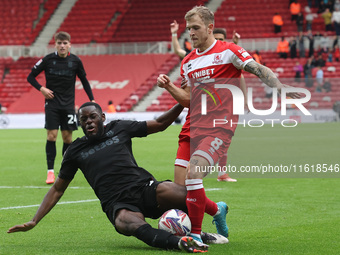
column 168, row 191
column 127, row 222
column 68, row 140
column 52, row 135
column 194, row 173
column 67, row 137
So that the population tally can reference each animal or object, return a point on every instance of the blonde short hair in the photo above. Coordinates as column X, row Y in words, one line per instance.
column 203, row 12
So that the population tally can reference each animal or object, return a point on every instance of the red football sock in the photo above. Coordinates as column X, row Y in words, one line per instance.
column 196, row 203
column 210, row 207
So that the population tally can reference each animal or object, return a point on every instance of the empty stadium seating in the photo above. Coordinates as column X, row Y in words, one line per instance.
column 13, row 83
column 20, row 21
column 93, row 21
column 149, row 20
column 149, row 84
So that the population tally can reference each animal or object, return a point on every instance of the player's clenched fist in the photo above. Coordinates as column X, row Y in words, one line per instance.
column 163, row 81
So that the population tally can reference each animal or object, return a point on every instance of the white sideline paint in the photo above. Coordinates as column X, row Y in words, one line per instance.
column 37, row 187
column 48, row 187
column 60, row 203
column 212, row 189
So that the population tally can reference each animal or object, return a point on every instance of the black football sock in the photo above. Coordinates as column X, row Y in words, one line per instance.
column 65, row 146
column 157, row 237
column 51, row 152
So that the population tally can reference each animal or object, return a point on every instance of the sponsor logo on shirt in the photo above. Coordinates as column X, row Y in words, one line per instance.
column 108, row 142
column 38, row 63
column 243, row 53
column 203, row 73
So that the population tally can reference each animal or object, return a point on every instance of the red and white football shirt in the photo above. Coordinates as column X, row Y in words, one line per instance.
column 221, row 63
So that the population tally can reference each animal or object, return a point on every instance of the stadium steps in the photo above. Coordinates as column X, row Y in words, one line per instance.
column 137, row 97
column 46, row 10
column 93, row 21
column 54, row 23
column 155, row 92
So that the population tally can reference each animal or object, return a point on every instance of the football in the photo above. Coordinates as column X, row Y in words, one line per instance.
column 176, row 222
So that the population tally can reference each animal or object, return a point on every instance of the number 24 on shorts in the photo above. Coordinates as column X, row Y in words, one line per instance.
column 72, row 118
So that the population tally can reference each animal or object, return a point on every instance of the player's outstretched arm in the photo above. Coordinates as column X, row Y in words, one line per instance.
column 174, row 40
column 165, row 120
column 268, row 77
column 50, row 199
column 181, row 95
column 243, row 87
column 236, row 37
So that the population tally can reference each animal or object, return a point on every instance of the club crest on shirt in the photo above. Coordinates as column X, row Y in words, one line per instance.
column 217, row 59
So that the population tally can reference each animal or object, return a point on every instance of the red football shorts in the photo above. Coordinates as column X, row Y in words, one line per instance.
column 183, row 151
column 210, row 144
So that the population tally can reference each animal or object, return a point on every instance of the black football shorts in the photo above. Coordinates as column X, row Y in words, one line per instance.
column 147, row 204
column 66, row 119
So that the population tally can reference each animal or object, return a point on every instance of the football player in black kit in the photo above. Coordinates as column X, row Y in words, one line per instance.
column 61, row 69
column 127, row 192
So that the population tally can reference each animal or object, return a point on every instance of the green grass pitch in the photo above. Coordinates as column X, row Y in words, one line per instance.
column 286, row 215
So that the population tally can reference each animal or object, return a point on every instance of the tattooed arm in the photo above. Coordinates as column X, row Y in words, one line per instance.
column 268, row 77
column 264, row 73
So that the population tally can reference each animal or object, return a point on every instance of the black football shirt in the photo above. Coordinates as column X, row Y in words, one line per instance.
column 60, row 74
column 108, row 163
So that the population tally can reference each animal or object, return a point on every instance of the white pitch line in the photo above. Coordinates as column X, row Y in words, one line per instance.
column 212, row 189
column 60, row 203
column 37, row 187
column 48, row 187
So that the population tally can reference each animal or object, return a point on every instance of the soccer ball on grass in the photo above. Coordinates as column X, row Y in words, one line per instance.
column 176, row 222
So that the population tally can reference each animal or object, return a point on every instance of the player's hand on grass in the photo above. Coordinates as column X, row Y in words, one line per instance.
column 22, row 228
column 163, row 81
column 47, row 93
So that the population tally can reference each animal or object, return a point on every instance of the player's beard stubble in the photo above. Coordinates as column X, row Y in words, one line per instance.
column 94, row 137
